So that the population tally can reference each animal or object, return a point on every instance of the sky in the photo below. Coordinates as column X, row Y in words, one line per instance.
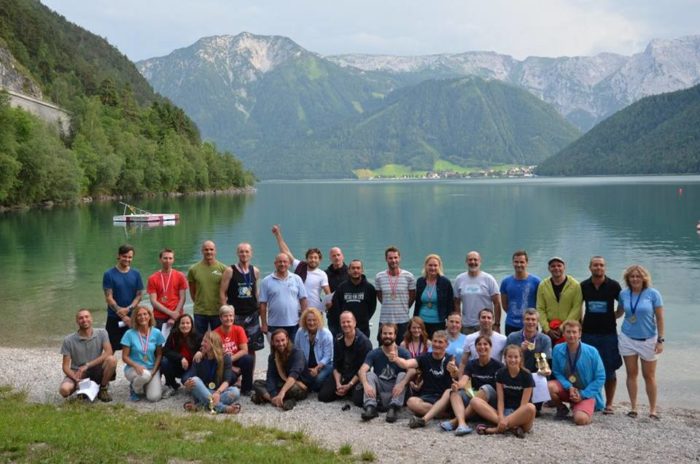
column 144, row 29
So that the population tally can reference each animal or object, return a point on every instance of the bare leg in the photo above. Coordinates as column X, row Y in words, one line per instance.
column 523, row 417
column 108, row 368
column 610, row 386
column 649, row 374
column 458, row 408
column 554, row 392
column 417, row 406
column 438, row 407
column 632, row 367
column 483, row 409
column 581, row 418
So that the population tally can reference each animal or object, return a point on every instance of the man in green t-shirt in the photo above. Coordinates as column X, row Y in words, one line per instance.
column 204, row 279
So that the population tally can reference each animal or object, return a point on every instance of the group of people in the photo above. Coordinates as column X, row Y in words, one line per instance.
column 448, row 360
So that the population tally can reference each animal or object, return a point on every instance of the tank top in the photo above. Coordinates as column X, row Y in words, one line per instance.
column 242, row 290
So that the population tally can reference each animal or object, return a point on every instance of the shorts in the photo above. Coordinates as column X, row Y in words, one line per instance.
column 587, row 405
column 95, row 373
column 430, row 397
column 645, row 349
column 491, row 397
column 607, row 346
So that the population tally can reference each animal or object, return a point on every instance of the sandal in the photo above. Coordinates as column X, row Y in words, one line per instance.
column 608, row 411
column 519, row 432
column 232, row 409
column 190, row 406
column 446, row 426
column 463, row 430
column 481, row 429
column 632, row 414
column 654, row 416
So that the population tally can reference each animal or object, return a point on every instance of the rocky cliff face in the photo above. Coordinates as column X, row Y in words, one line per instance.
column 13, row 77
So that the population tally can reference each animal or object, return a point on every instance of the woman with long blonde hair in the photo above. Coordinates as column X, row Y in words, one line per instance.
column 209, row 380
column 142, row 351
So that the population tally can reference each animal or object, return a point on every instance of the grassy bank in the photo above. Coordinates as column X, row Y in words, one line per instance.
column 77, row 432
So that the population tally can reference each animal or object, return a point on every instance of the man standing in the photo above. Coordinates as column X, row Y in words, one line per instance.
column 356, row 295
column 384, row 383
column 498, row 341
column 518, row 292
column 599, row 323
column 205, row 280
column 396, row 291
column 337, row 271
column 87, row 354
column 122, row 287
column 315, row 280
column 282, row 299
column 239, row 288
column 558, row 299
column 167, row 290
column 475, row 290
column 579, row 376
column 349, row 352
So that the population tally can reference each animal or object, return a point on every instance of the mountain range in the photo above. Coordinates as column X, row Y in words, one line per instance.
column 276, row 104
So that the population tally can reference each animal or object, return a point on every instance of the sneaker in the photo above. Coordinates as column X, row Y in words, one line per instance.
column 169, row 392
column 289, row 404
column 463, row 430
column 446, row 426
column 392, row 414
column 133, row 396
column 562, row 412
column 369, row 413
column 416, row 422
column 104, row 395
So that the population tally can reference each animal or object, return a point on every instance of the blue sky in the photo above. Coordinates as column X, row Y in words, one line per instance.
column 146, row 28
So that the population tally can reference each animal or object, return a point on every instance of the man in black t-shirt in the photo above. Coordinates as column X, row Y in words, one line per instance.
column 599, row 323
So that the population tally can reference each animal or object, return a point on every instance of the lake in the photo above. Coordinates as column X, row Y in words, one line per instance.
column 53, row 260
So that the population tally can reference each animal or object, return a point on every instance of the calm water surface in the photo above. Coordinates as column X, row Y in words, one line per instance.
column 53, row 260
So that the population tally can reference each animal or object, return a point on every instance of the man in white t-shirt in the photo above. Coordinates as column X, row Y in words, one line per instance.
column 475, row 290
column 315, row 279
column 498, row 341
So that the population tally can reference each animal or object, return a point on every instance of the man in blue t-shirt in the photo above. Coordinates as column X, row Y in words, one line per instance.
column 122, row 287
column 518, row 292
column 385, row 385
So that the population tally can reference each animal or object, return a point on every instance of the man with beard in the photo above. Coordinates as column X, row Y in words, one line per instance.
column 600, row 323
column 204, row 279
column 315, row 280
column 282, row 299
column 385, row 384
column 396, row 291
column 559, row 299
column 349, row 352
column 356, row 295
column 285, row 367
column 87, row 354
column 498, row 341
column 122, row 287
column 239, row 288
column 475, row 290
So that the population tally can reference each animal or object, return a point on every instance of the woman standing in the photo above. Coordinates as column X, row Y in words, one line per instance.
column 142, row 350
column 183, row 342
column 416, row 340
column 642, row 334
column 514, row 386
column 434, row 295
column 209, row 379
column 317, row 344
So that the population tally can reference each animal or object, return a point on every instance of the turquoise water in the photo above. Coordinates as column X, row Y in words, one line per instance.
column 53, row 260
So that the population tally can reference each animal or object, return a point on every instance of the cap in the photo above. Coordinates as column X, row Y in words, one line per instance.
column 555, row 258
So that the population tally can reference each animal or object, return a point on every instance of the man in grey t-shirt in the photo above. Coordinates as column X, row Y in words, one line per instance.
column 87, row 354
column 396, row 291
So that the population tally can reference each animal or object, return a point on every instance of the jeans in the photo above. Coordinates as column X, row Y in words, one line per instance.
column 314, row 383
column 201, row 394
column 245, row 364
column 203, row 323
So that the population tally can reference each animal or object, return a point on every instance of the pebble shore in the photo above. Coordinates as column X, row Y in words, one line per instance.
column 610, row 439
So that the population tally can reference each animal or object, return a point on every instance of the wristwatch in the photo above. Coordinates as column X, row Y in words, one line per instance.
column 660, row 340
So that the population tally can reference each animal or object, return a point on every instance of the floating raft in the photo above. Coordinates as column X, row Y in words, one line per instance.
column 137, row 215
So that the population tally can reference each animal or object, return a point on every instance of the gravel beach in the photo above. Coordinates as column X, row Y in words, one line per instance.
column 615, row 438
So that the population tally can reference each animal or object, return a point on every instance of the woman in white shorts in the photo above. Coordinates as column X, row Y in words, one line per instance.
column 642, row 334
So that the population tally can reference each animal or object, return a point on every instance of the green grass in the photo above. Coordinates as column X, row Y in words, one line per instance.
column 85, row 433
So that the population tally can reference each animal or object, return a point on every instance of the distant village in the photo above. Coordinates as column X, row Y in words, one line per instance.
column 516, row 171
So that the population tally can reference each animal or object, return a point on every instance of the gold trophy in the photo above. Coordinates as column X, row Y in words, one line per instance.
column 542, row 366
column 468, row 388
column 211, row 405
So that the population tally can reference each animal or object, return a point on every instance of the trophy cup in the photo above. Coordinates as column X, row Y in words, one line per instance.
column 211, row 405
column 468, row 389
column 542, row 366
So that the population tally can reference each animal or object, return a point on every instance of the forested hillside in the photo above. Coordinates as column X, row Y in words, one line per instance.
column 125, row 139
column 658, row 134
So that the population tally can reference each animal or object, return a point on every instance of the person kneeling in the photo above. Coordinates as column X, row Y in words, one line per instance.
column 210, row 379
column 514, row 386
column 285, row 367
column 142, row 351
